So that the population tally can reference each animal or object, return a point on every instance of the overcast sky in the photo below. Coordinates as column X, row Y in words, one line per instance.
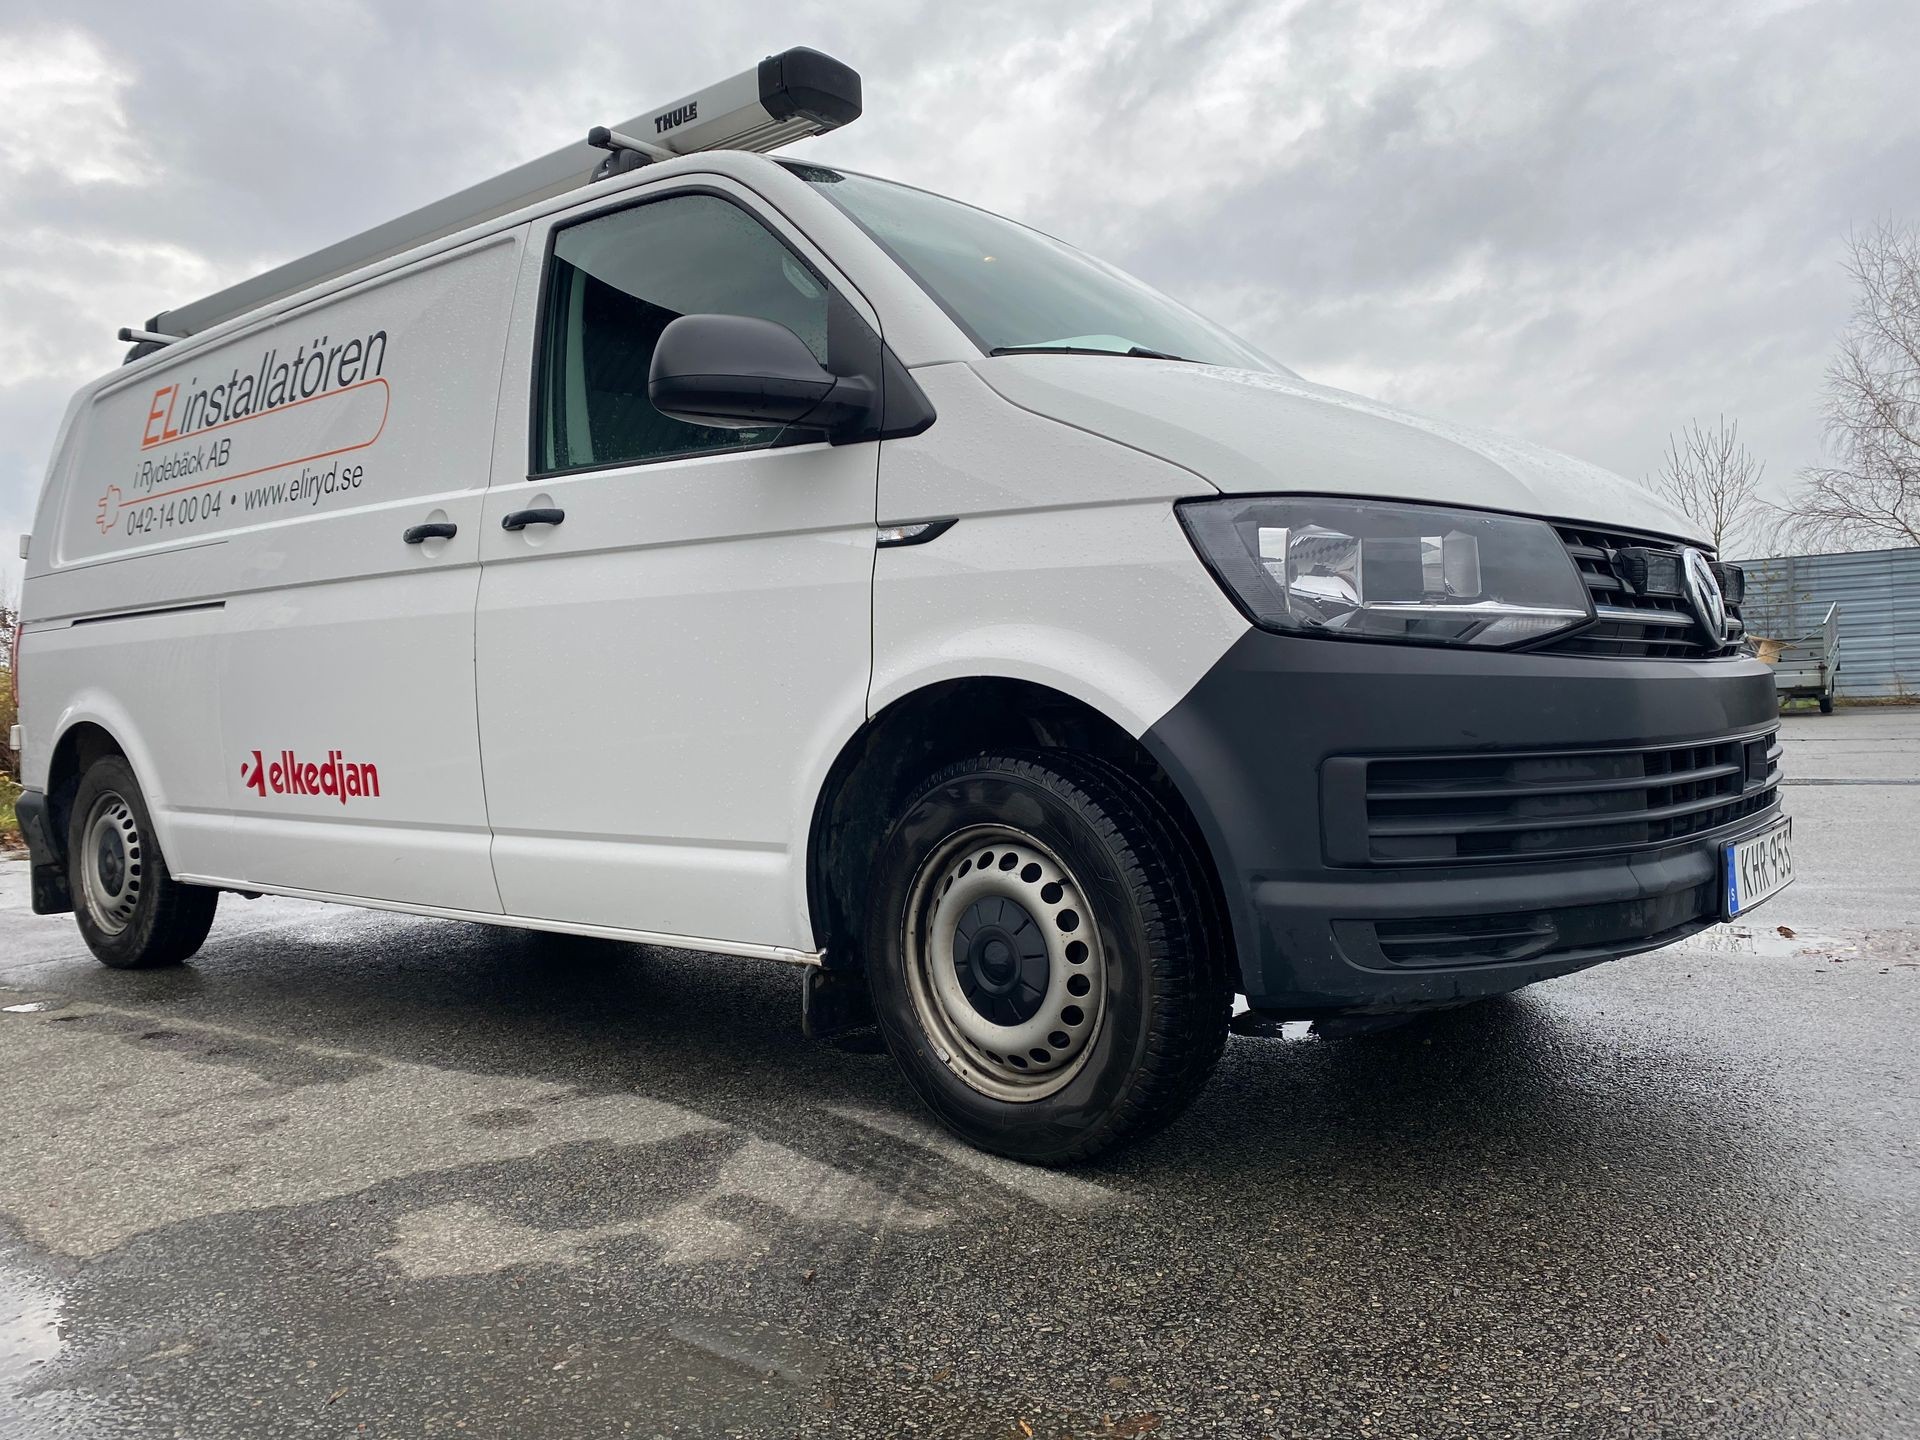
column 1583, row 223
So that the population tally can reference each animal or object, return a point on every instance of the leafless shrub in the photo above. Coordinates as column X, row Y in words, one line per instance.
column 1711, row 477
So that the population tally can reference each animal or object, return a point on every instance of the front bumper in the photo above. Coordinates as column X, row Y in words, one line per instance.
column 46, row 859
column 1273, row 749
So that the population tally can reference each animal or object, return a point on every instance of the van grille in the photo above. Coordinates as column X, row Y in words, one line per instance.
column 1629, row 624
column 1558, row 804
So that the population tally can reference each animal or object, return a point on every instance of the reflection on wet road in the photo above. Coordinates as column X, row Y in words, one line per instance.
column 350, row 1169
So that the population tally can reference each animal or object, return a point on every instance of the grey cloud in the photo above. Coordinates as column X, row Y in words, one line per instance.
column 1581, row 222
column 1564, row 169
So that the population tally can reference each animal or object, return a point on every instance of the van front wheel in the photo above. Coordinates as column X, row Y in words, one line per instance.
column 1041, row 959
column 132, row 913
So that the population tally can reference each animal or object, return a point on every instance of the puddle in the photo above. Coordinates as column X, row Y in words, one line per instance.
column 32, row 1007
column 29, row 1331
column 38, row 1395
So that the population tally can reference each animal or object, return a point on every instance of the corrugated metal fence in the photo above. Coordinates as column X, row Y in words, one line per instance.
column 1879, row 596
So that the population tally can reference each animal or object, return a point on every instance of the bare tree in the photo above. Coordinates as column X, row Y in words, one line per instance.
column 1870, row 495
column 1714, row 480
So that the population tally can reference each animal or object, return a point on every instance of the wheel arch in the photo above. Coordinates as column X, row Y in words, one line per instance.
column 935, row 725
column 80, row 742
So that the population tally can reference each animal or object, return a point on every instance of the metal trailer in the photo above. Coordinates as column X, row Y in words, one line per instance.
column 1878, row 592
column 1807, row 667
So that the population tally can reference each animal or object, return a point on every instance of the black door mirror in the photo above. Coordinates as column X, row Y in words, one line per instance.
column 740, row 373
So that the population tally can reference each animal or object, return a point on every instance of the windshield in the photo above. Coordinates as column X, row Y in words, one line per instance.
column 1011, row 288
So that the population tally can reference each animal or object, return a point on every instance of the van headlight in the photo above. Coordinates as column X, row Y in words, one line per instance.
column 1374, row 570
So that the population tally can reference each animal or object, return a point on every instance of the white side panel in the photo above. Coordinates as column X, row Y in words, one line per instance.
column 149, row 681
column 666, row 677
column 664, row 683
column 374, row 672
column 149, row 678
column 354, row 764
column 1067, row 566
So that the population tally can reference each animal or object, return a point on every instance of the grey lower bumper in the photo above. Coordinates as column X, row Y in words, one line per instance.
column 1263, row 749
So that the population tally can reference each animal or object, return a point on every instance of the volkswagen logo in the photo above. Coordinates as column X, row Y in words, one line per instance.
column 1703, row 594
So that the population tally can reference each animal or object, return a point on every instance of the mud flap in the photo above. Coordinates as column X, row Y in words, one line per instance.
column 836, row 1011
column 51, row 892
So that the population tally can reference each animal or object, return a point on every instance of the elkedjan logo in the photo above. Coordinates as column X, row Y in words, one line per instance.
column 334, row 777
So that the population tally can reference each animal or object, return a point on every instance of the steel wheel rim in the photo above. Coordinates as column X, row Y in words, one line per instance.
column 112, row 864
column 977, row 1005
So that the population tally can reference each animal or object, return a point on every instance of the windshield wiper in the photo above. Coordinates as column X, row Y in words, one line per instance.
column 1138, row 352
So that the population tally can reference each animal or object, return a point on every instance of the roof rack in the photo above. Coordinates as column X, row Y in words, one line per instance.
column 786, row 97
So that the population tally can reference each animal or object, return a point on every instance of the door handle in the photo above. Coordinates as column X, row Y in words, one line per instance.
column 520, row 519
column 437, row 530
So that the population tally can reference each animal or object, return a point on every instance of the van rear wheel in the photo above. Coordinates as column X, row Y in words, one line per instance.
column 1041, row 956
column 131, row 911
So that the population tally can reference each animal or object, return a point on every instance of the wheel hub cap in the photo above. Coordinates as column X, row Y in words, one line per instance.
column 112, row 868
column 113, row 861
column 1005, row 967
column 1000, row 960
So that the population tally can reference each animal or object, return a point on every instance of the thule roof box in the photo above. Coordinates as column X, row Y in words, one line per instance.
column 784, row 98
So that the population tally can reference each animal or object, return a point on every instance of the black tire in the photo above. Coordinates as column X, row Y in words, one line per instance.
column 1826, row 703
column 1151, row 955
column 132, row 913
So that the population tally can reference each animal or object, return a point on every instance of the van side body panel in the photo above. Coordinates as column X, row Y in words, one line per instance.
column 111, row 643
column 124, row 632
column 1065, row 567
column 666, row 676
column 222, row 583
column 147, row 681
column 348, row 675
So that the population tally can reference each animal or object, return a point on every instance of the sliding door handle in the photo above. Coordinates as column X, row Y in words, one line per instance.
column 437, row 530
column 520, row 519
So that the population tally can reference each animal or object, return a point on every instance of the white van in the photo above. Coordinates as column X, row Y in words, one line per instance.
column 772, row 560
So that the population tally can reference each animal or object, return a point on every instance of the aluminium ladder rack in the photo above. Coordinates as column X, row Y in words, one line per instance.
column 786, row 97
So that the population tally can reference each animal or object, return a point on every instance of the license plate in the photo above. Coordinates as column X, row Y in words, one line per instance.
column 1758, row 867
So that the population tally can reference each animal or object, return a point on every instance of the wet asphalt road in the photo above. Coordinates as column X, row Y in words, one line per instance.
column 359, row 1174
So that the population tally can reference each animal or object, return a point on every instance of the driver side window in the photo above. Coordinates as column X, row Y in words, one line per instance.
column 614, row 283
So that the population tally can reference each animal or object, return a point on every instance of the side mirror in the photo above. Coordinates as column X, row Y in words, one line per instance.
column 740, row 373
